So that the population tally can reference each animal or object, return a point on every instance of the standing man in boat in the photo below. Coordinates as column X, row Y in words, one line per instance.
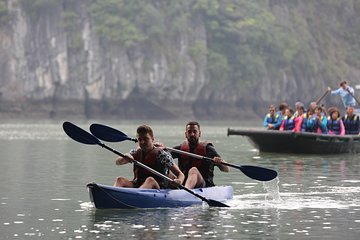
column 198, row 172
column 155, row 157
column 346, row 93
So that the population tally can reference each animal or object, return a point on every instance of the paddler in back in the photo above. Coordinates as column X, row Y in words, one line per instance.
column 154, row 157
column 198, row 172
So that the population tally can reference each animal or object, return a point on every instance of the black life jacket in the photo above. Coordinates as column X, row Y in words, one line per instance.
column 334, row 125
column 351, row 124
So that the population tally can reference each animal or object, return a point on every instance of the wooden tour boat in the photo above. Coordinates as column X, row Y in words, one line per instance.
column 291, row 142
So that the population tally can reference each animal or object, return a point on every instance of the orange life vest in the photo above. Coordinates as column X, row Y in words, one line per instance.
column 150, row 160
column 206, row 168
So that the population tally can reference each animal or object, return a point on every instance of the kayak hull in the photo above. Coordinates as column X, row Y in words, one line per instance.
column 301, row 143
column 104, row 196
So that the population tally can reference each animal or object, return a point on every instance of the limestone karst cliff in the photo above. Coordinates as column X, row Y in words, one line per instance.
column 169, row 59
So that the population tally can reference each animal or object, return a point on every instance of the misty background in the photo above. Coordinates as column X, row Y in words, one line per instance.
column 173, row 59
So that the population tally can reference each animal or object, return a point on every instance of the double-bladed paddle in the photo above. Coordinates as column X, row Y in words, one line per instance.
column 110, row 134
column 78, row 134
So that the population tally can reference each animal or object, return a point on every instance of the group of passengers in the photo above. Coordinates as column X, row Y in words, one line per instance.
column 316, row 119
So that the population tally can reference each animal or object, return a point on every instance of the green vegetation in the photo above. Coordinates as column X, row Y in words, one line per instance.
column 4, row 14
column 115, row 21
column 71, row 22
column 243, row 42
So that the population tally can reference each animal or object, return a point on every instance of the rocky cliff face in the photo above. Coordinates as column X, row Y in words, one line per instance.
column 42, row 73
column 54, row 63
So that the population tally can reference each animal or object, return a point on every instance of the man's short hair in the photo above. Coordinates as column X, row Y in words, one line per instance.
column 193, row 123
column 342, row 83
column 144, row 129
column 283, row 106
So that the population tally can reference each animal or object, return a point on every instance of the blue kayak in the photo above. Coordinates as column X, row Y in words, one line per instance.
column 104, row 196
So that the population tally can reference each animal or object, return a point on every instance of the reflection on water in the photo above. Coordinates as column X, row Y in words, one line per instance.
column 154, row 224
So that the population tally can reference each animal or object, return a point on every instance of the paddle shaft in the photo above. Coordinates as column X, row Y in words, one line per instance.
column 137, row 163
column 353, row 96
column 199, row 156
column 321, row 98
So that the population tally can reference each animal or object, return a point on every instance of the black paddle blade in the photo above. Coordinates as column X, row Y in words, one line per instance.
column 258, row 173
column 78, row 134
column 108, row 134
column 213, row 203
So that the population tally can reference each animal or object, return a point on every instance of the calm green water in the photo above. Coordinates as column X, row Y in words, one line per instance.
column 43, row 193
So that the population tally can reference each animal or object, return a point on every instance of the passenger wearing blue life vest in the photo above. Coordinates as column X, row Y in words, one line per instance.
column 198, row 172
column 288, row 122
column 154, row 157
column 317, row 123
column 351, row 121
column 334, row 123
column 272, row 120
column 346, row 93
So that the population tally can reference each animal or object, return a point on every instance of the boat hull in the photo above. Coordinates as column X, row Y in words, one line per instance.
column 104, row 196
column 302, row 143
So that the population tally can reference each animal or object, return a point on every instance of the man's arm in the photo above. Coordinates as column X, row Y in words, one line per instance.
column 124, row 160
column 336, row 92
column 211, row 153
column 265, row 121
column 167, row 160
column 278, row 122
column 180, row 177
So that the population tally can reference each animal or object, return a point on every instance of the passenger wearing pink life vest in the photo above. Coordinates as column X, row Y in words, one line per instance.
column 154, row 157
column 334, row 123
column 300, row 120
column 198, row 172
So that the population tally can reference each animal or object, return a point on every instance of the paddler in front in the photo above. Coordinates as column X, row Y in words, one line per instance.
column 198, row 172
column 152, row 156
